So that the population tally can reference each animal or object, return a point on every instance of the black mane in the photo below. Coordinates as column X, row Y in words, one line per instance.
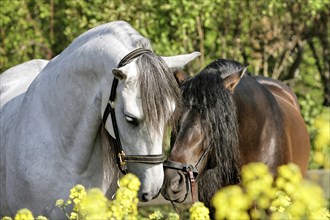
column 223, row 67
column 206, row 93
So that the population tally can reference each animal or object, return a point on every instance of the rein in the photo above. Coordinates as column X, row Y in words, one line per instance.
column 122, row 158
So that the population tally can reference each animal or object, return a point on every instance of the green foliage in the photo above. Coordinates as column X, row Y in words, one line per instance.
column 286, row 40
column 22, row 37
column 248, row 31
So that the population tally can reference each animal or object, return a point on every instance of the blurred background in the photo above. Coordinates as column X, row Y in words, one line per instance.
column 283, row 39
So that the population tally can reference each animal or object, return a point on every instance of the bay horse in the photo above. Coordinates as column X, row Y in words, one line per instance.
column 56, row 133
column 229, row 119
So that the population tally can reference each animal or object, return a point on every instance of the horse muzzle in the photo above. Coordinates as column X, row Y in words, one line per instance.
column 146, row 197
column 175, row 186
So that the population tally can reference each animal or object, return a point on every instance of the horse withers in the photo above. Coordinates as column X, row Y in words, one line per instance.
column 229, row 119
column 57, row 133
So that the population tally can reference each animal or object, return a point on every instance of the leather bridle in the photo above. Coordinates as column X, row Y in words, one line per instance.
column 121, row 157
column 190, row 171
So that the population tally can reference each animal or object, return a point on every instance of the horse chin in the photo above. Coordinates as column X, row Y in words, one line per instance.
column 177, row 197
column 181, row 199
column 143, row 197
column 156, row 195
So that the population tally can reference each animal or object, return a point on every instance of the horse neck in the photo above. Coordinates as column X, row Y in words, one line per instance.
column 260, row 123
column 69, row 92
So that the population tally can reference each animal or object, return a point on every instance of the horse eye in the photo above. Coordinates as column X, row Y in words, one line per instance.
column 132, row 120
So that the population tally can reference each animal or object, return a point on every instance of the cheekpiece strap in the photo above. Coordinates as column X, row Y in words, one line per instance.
column 110, row 108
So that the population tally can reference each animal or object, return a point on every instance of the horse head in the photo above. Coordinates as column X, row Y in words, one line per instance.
column 204, row 125
column 147, row 95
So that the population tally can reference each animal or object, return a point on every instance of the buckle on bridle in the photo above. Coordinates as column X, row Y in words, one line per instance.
column 121, row 157
column 189, row 169
column 112, row 104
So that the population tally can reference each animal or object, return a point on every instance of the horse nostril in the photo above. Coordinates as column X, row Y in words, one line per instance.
column 176, row 183
column 146, row 197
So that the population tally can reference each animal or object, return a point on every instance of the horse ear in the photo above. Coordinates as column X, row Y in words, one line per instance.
column 232, row 80
column 180, row 76
column 179, row 61
column 119, row 73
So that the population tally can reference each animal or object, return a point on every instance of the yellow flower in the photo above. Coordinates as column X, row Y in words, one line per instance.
column 115, row 210
column 322, row 124
column 290, row 197
column 59, row 202
column 93, row 205
column 173, row 216
column 279, row 215
column 199, row 211
column 320, row 214
column 6, row 218
column 156, row 215
column 255, row 214
column 126, row 195
column 130, row 181
column 288, row 174
column 73, row 216
column 77, row 193
column 281, row 202
column 24, row 214
column 230, row 203
column 318, row 157
column 255, row 175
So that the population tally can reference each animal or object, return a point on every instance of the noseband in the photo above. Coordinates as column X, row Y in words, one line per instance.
column 190, row 171
column 122, row 158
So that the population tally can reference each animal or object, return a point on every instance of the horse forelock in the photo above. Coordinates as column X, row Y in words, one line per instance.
column 159, row 90
column 206, row 93
column 223, row 67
